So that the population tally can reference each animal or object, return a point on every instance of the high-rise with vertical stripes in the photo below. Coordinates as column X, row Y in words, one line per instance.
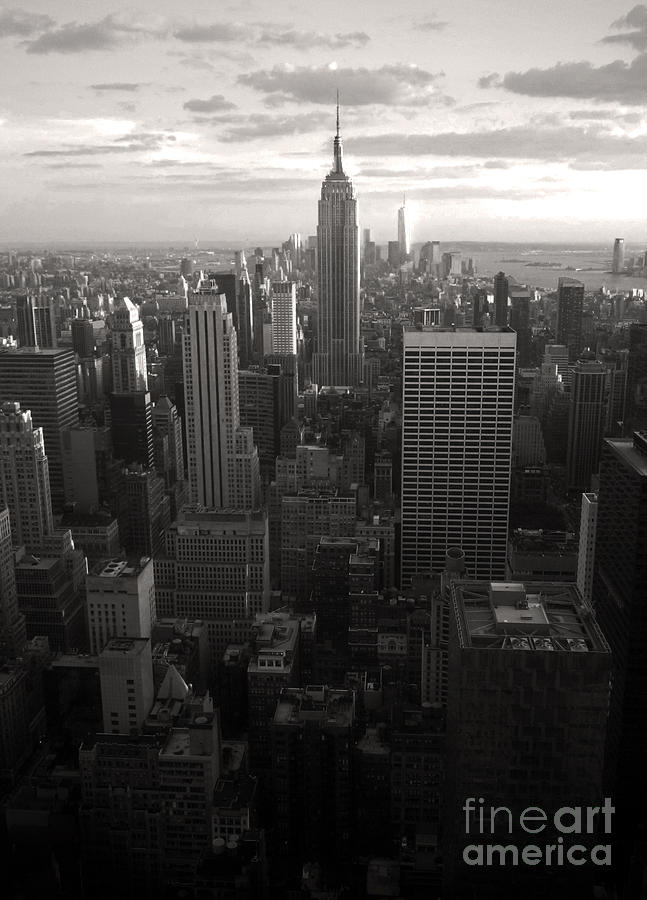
column 457, row 419
column 338, row 359
column 221, row 456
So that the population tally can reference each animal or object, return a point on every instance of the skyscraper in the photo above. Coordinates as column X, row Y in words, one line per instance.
column 222, row 460
column 520, row 322
column 620, row 576
column 585, row 423
column 618, row 264
column 570, row 301
column 13, row 635
column 528, row 695
column 501, row 287
column 338, row 359
column 404, row 242
column 284, row 317
column 24, row 478
column 44, row 381
column 36, row 322
column 128, row 350
column 456, row 448
column 120, row 601
column 635, row 415
column 586, row 551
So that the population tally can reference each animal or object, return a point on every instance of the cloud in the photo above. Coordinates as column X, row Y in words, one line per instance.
column 216, row 34
column 636, row 19
column 75, row 37
column 261, row 126
column 402, row 85
column 491, row 80
column 430, row 25
column 306, row 40
column 437, row 172
column 517, row 142
column 20, row 23
column 77, row 165
column 605, row 115
column 617, row 81
column 132, row 143
column 616, row 164
column 117, row 86
column 216, row 103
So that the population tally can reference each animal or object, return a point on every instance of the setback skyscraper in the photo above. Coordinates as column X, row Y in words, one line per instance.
column 222, row 460
column 338, row 359
column 44, row 381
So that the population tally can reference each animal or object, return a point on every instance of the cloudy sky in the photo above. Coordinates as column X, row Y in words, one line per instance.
column 505, row 120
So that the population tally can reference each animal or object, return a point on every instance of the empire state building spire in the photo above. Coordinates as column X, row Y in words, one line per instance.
column 338, row 167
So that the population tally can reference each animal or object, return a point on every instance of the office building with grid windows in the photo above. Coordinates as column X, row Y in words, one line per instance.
column 457, row 419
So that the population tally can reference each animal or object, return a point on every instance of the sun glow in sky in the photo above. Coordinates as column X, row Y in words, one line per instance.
column 503, row 121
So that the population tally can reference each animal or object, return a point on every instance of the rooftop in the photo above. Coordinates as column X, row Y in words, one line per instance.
column 124, row 646
column 631, row 451
column 317, row 703
column 539, row 616
column 121, row 568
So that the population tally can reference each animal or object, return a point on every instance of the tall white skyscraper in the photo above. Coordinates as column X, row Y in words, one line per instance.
column 128, row 350
column 404, row 238
column 456, row 448
column 284, row 317
column 338, row 359
column 24, row 478
column 221, row 456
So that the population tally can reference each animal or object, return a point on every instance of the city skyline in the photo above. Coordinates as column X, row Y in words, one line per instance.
column 496, row 127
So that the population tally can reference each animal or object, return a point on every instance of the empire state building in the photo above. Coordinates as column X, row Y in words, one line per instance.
column 338, row 360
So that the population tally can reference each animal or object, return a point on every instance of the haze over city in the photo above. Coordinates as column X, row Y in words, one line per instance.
column 151, row 122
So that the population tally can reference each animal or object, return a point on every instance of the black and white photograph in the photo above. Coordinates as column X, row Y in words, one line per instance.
column 323, row 450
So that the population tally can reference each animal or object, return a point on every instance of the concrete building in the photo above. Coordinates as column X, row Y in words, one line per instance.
column 274, row 664
column 304, row 518
column 128, row 352
column 284, row 317
column 501, row 288
column 585, row 423
column 51, row 592
column 527, row 442
column 24, row 478
column 618, row 597
column 222, row 461
column 120, row 597
column 127, row 693
column 36, row 317
column 456, row 448
column 13, row 635
column 312, row 767
column 570, row 302
column 144, row 511
column 522, row 657
column 43, row 381
column 586, row 550
column 215, row 567
column 538, row 555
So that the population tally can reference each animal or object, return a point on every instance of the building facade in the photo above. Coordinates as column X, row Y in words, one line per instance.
column 456, row 448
